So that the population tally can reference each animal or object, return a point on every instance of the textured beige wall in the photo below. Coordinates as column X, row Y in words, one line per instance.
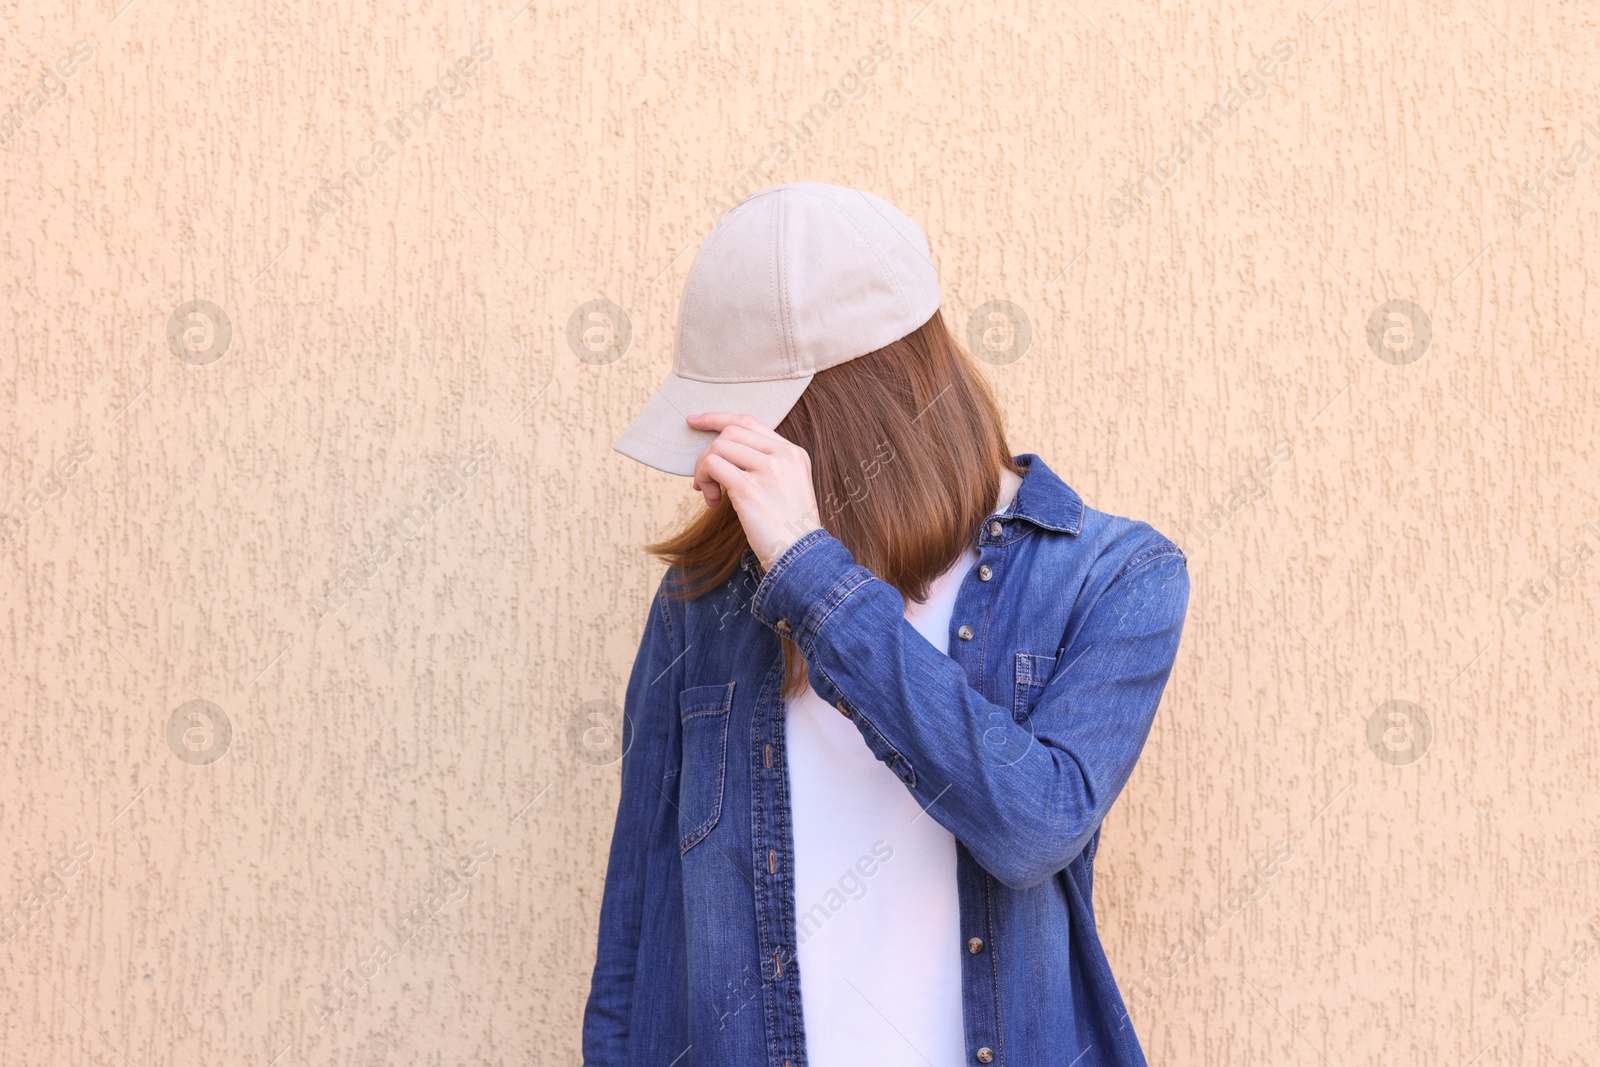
column 397, row 407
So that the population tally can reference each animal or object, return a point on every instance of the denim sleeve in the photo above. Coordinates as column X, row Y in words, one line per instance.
column 1025, row 798
column 649, row 715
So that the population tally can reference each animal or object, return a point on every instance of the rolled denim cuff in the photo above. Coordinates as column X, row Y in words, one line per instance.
column 805, row 584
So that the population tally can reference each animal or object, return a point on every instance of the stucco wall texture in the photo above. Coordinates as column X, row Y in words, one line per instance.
column 307, row 415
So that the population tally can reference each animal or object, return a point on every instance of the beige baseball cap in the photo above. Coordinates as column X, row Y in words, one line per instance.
column 792, row 280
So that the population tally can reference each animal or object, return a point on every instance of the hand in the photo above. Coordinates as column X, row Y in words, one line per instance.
column 767, row 479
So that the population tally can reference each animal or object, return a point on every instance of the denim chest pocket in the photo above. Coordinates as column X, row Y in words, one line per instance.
column 703, row 711
column 1033, row 671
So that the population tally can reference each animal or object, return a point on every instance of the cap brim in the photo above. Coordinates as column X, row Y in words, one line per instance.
column 660, row 437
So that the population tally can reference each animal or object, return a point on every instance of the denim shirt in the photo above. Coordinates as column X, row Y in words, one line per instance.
column 1017, row 741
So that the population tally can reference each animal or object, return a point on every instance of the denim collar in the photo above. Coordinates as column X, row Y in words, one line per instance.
column 1042, row 499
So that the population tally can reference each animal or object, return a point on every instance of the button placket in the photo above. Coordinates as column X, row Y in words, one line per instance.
column 995, row 530
column 773, row 863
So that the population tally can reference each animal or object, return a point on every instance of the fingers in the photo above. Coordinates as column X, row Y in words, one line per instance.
column 738, row 453
column 738, row 458
column 750, row 438
column 742, row 443
column 708, row 489
column 718, row 472
column 718, row 421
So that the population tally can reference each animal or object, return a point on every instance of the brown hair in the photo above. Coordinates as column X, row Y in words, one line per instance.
column 906, row 449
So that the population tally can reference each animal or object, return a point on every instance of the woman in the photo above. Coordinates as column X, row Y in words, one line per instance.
column 887, row 691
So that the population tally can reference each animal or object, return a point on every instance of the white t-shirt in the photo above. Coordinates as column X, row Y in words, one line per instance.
column 876, row 905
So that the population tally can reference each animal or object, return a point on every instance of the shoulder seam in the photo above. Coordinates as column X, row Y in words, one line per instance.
column 1162, row 550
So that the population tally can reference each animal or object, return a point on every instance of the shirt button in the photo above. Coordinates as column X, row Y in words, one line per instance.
column 974, row 945
column 986, row 1055
column 995, row 530
column 965, row 633
column 985, row 572
column 784, row 627
column 844, row 709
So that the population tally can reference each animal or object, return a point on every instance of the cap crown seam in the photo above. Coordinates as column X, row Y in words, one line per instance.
column 780, row 247
column 895, row 281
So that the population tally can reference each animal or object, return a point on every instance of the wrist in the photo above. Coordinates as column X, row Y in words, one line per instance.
column 804, row 584
column 790, row 536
